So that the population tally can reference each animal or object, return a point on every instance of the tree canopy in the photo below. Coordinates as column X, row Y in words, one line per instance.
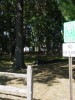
column 41, row 22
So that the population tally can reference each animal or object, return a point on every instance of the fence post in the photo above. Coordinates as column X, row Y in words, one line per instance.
column 29, row 83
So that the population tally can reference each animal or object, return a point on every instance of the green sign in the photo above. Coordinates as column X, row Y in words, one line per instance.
column 69, row 31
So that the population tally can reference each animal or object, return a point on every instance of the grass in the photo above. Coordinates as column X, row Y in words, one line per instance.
column 30, row 58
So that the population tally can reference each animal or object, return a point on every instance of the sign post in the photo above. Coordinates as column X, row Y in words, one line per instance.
column 69, row 49
column 70, row 78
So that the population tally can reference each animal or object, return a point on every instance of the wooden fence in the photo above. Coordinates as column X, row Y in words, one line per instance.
column 27, row 91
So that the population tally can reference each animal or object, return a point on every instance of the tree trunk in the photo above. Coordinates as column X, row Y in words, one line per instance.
column 19, row 57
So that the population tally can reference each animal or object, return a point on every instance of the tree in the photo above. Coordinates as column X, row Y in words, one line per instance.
column 41, row 20
column 67, row 8
column 19, row 57
column 45, row 18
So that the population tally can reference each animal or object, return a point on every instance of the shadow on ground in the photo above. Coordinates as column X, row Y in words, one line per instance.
column 47, row 73
column 11, row 97
column 43, row 73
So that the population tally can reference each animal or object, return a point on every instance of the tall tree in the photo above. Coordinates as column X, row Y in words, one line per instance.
column 19, row 57
column 67, row 8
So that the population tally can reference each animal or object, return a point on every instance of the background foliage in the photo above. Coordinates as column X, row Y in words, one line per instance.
column 42, row 24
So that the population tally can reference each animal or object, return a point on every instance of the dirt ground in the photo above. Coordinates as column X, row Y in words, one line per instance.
column 50, row 82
